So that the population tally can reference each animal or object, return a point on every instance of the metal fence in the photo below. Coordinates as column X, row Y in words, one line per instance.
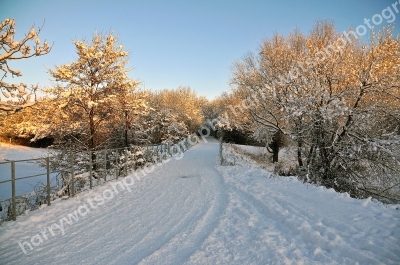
column 66, row 174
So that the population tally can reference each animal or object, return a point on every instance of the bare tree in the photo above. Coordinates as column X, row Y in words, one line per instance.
column 15, row 50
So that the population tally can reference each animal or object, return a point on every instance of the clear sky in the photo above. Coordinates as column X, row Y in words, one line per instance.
column 176, row 43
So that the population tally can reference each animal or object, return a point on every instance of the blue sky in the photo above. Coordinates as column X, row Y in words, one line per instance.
column 175, row 43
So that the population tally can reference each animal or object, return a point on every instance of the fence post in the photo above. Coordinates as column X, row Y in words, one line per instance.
column 116, row 163
column 105, row 165
column 72, row 176
column 90, row 169
column 13, row 191
column 48, row 179
column 221, row 157
column 126, row 162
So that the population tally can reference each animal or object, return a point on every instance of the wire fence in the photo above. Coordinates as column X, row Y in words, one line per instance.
column 66, row 174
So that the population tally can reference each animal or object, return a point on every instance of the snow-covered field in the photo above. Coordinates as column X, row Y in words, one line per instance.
column 18, row 152
column 193, row 211
column 23, row 169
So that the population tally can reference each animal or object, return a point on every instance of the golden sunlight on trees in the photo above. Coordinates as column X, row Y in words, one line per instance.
column 93, row 91
column 15, row 96
column 175, row 113
column 336, row 99
column 186, row 104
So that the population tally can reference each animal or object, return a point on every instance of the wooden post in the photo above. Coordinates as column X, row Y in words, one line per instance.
column 221, row 156
column 72, row 176
column 13, row 192
column 48, row 179
column 116, row 163
column 126, row 162
column 105, row 165
column 90, row 169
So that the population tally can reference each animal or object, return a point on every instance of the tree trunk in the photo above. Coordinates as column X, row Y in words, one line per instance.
column 299, row 158
column 92, row 143
column 275, row 155
column 275, row 151
column 126, row 128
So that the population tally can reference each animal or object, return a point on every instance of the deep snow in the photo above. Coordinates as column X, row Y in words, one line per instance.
column 193, row 211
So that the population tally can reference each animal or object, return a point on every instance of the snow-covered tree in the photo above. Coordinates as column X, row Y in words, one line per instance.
column 183, row 102
column 22, row 125
column 92, row 90
column 15, row 96
column 167, row 127
column 127, row 127
column 330, row 96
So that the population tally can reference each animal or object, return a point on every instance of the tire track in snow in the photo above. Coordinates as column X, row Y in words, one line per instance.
column 184, row 244
column 204, row 202
column 133, row 205
column 186, row 212
column 165, row 222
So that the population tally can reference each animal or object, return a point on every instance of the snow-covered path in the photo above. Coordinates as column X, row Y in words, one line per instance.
column 192, row 211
